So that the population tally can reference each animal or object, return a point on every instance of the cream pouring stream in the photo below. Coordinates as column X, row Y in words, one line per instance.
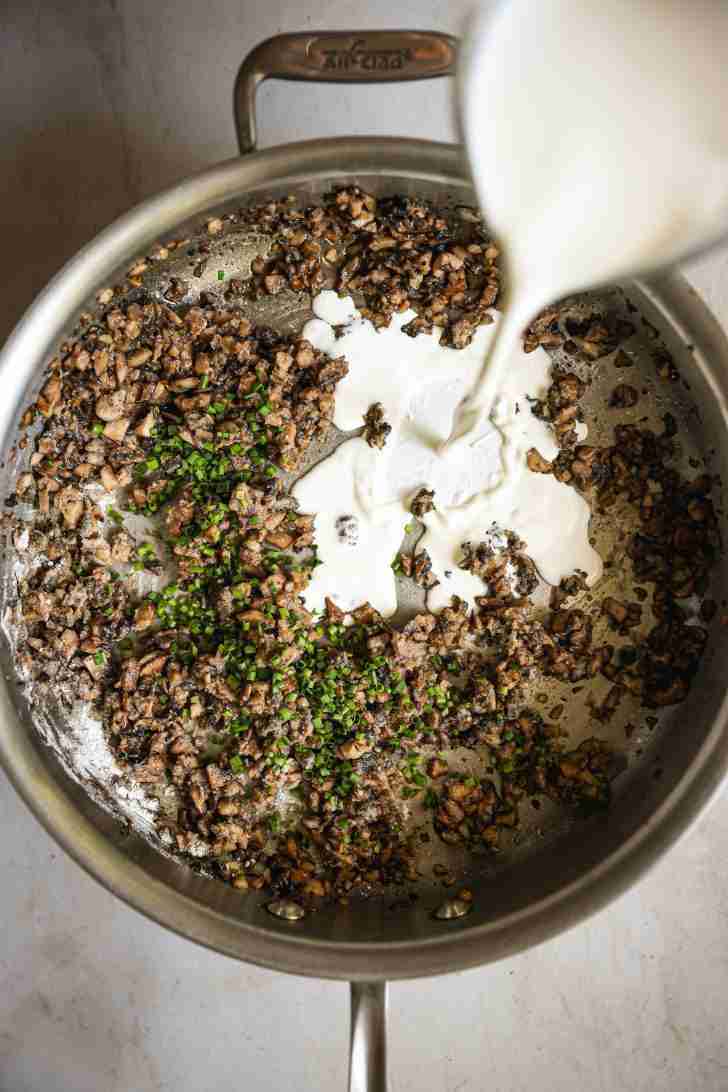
column 598, row 149
column 598, row 145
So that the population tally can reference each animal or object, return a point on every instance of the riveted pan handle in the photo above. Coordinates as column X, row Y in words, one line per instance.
column 359, row 56
column 368, row 1044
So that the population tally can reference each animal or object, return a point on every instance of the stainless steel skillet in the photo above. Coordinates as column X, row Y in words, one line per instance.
column 559, row 873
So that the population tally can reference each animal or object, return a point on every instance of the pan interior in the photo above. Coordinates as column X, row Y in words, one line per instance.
column 550, row 852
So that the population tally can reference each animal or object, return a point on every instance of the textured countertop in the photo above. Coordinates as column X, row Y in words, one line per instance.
column 102, row 104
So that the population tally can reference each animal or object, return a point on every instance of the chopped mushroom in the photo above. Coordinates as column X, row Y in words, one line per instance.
column 537, row 463
column 376, row 429
column 219, row 691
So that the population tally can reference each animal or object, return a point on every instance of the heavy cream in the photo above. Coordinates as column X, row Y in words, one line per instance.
column 598, row 145
column 360, row 496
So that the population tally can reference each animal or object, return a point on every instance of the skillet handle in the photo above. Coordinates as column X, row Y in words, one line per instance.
column 368, row 1040
column 359, row 56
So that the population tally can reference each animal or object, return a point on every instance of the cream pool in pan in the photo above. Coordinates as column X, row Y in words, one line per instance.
column 361, row 496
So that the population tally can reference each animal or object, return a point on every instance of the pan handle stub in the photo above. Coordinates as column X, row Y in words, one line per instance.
column 359, row 56
column 368, row 1041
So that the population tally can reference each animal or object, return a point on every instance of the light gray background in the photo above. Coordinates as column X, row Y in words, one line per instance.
column 102, row 104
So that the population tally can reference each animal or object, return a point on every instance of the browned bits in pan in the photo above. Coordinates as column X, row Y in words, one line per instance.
column 623, row 397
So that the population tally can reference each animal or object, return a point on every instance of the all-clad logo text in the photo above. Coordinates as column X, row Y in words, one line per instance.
column 358, row 57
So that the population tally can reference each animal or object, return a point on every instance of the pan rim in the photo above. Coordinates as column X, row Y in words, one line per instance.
column 460, row 946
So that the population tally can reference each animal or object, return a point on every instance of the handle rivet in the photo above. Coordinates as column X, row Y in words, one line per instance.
column 286, row 909
column 453, row 908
